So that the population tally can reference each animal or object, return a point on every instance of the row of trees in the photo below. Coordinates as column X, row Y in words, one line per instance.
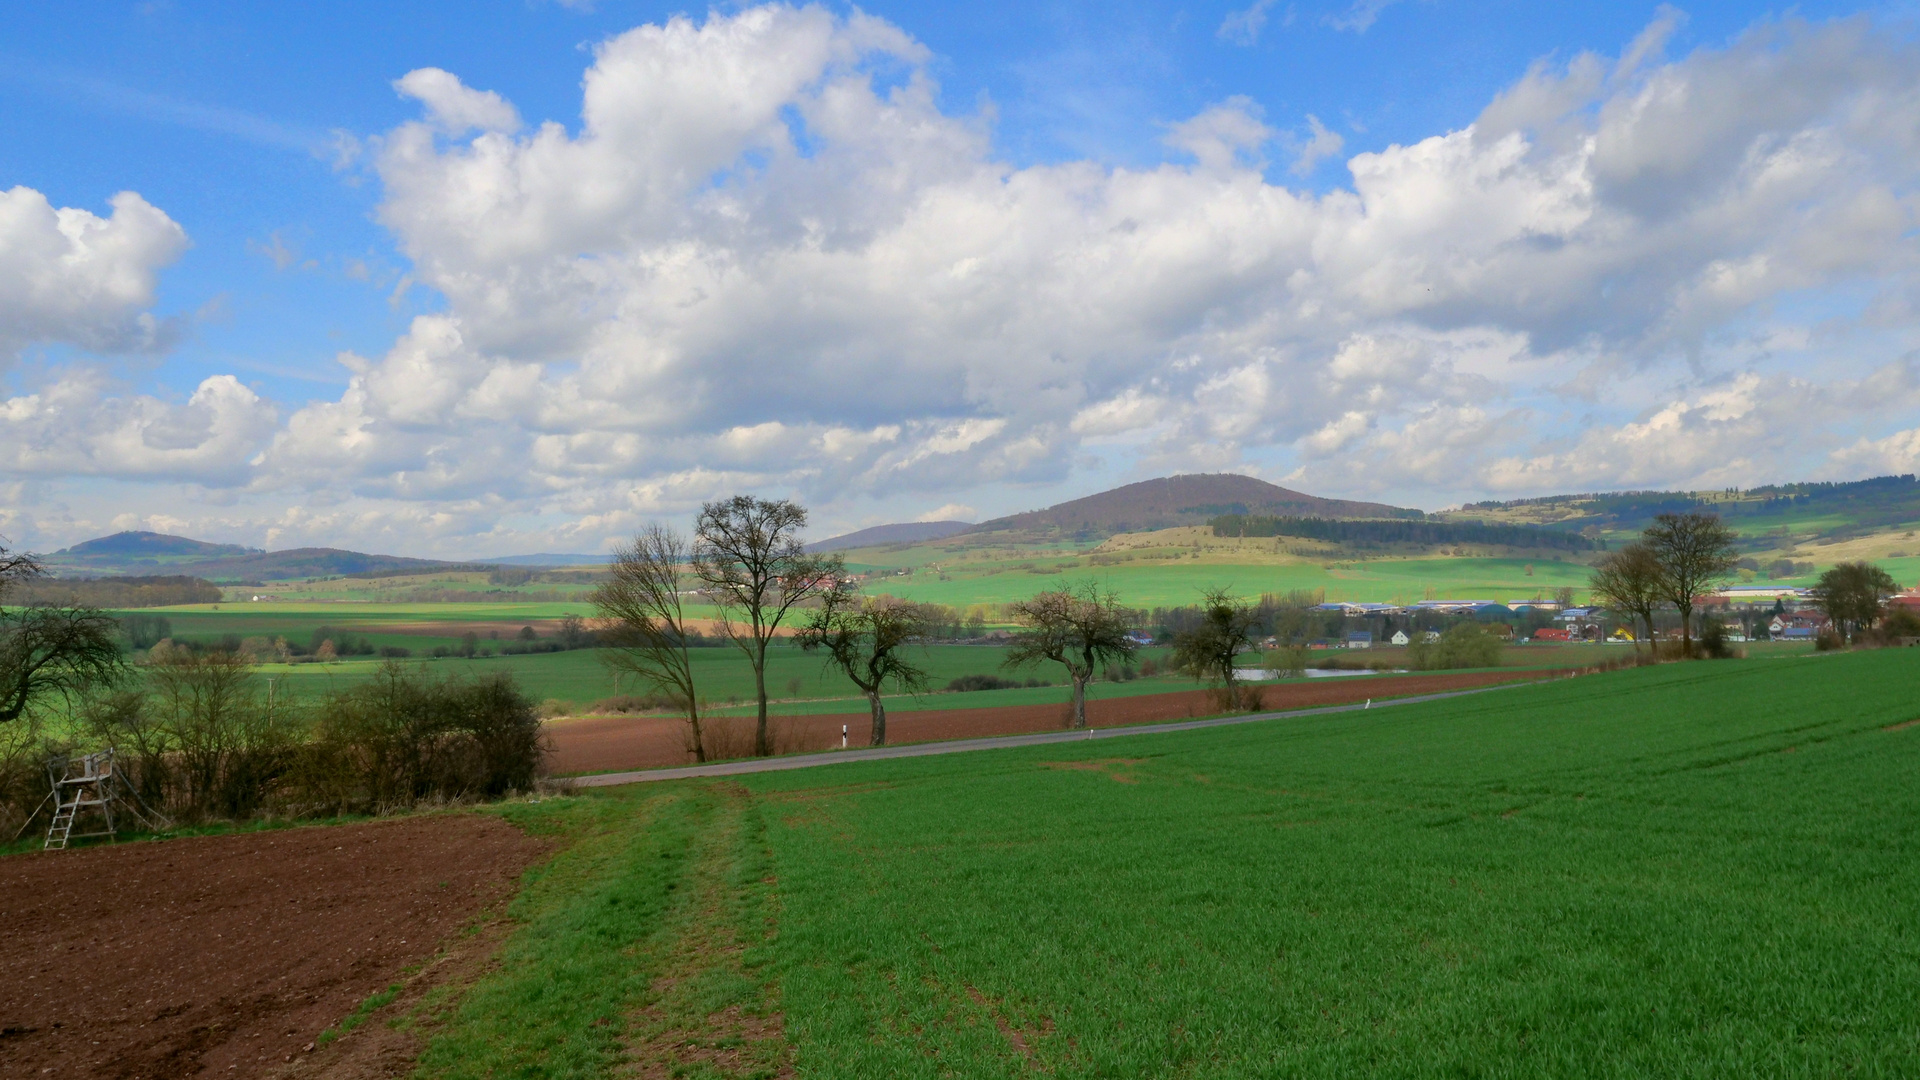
column 745, row 557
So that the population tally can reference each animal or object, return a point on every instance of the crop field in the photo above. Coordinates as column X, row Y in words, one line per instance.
column 1701, row 869
column 1174, row 583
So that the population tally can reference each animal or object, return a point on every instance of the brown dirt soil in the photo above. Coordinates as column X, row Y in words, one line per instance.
column 227, row 955
column 612, row 743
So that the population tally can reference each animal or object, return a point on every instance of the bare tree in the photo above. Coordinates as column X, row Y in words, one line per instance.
column 868, row 639
column 1080, row 628
column 1853, row 595
column 46, row 650
column 1628, row 581
column 748, row 553
column 1696, row 553
column 1225, row 631
column 647, row 623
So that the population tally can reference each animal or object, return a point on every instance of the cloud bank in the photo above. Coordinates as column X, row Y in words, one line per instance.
column 766, row 258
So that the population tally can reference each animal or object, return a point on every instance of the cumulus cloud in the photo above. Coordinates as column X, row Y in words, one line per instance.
column 84, row 425
column 765, row 257
column 70, row 276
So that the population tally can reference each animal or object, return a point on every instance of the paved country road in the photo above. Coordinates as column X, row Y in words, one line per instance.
column 998, row 742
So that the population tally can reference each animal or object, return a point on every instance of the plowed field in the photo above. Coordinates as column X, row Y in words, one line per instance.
column 606, row 744
column 227, row 955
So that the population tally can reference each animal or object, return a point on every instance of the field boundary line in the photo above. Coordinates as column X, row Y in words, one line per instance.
column 999, row 742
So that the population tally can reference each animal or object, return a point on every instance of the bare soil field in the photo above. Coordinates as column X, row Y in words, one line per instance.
column 229, row 955
column 610, row 743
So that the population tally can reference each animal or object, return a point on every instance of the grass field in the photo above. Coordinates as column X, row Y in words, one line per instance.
column 1703, row 869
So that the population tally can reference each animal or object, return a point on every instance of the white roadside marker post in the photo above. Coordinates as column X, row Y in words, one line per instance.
column 843, row 736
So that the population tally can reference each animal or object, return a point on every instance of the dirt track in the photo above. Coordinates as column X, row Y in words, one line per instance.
column 226, row 955
column 606, row 744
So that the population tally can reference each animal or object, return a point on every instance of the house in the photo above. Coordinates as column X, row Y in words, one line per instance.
column 1360, row 639
column 1552, row 633
column 1140, row 637
column 1433, row 636
column 1399, row 637
column 1803, row 625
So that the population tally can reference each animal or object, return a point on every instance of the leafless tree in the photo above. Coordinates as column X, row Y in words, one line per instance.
column 1225, row 631
column 748, row 553
column 1081, row 628
column 868, row 639
column 647, row 622
column 1628, row 581
column 1696, row 553
column 47, row 650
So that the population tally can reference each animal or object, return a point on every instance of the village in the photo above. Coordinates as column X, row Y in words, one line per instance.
column 1749, row 612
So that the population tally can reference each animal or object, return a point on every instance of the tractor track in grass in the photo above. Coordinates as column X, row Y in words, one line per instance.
column 958, row 746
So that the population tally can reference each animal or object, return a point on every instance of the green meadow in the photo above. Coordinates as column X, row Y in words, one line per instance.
column 1702, row 869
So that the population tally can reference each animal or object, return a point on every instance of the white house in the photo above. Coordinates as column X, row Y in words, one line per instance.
column 1399, row 637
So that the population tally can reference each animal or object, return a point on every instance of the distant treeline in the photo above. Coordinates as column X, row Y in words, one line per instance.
column 116, row 592
column 1425, row 533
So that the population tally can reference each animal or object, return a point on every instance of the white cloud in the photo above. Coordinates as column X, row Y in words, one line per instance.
column 1318, row 145
column 70, row 276
column 1361, row 16
column 81, row 425
column 950, row 512
column 1243, row 27
column 453, row 107
column 766, row 259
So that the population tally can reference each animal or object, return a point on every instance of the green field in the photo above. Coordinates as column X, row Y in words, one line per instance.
column 1702, row 869
column 1177, row 582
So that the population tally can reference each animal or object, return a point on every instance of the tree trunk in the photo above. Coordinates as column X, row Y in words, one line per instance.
column 699, row 743
column 879, row 718
column 1233, row 692
column 1079, row 700
column 1686, row 631
column 761, row 748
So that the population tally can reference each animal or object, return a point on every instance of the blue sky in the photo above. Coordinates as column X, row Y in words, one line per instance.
column 268, row 136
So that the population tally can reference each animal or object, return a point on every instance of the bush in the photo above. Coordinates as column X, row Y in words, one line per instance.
column 991, row 682
column 201, row 742
column 1464, row 645
column 143, row 631
column 345, row 642
column 1713, row 641
column 634, row 703
column 403, row 736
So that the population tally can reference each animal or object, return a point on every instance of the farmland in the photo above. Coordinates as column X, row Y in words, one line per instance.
column 1695, row 869
column 1689, row 869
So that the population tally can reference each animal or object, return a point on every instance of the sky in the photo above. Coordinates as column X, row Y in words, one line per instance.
column 477, row 279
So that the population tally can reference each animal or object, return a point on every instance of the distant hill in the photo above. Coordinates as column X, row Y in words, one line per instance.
column 550, row 558
column 151, row 545
column 317, row 562
column 145, row 552
column 906, row 532
column 137, row 551
column 1184, row 500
